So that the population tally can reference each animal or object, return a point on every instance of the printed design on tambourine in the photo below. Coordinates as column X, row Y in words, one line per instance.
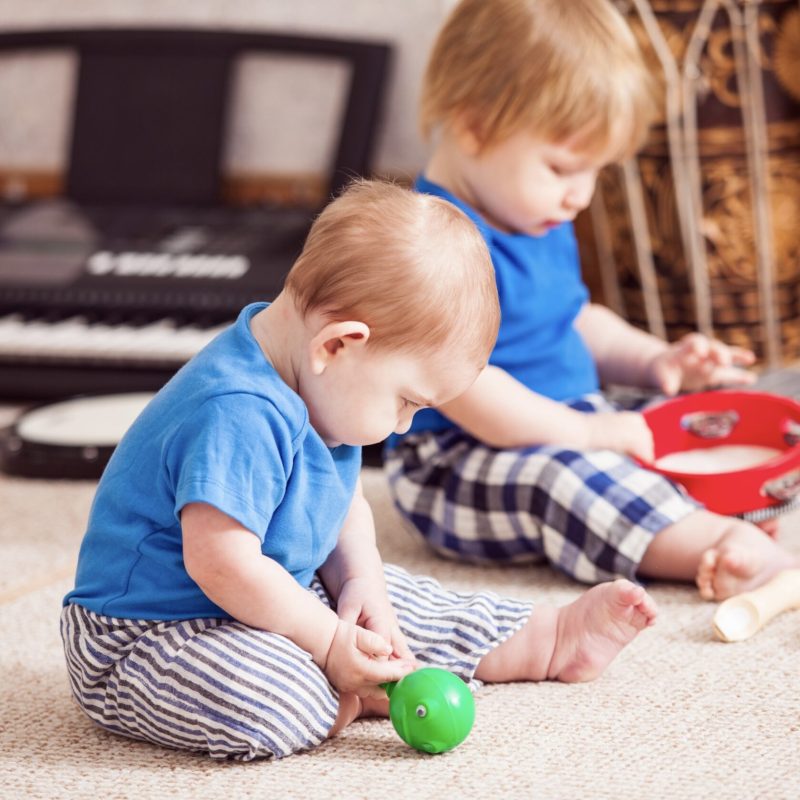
column 791, row 432
column 710, row 424
column 783, row 488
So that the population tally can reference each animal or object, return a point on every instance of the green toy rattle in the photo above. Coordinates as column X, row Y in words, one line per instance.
column 431, row 709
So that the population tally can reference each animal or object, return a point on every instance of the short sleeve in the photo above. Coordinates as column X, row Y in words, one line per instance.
column 235, row 453
column 572, row 259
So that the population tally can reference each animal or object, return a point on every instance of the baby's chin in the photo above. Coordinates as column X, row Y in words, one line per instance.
column 333, row 443
column 535, row 229
column 542, row 228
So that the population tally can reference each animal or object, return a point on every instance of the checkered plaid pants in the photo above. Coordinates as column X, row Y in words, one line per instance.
column 590, row 514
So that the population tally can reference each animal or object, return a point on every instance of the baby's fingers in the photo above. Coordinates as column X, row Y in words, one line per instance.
column 731, row 376
column 742, row 357
column 694, row 346
column 376, row 672
column 719, row 353
column 372, row 644
column 400, row 646
column 725, row 356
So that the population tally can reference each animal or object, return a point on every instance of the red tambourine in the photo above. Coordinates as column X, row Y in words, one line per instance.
column 711, row 419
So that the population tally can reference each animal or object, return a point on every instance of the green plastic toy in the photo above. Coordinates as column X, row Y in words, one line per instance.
column 431, row 709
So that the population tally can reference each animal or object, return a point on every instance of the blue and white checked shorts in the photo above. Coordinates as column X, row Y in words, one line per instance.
column 591, row 514
column 223, row 688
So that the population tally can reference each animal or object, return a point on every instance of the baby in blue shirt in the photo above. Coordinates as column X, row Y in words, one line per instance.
column 527, row 100
column 229, row 596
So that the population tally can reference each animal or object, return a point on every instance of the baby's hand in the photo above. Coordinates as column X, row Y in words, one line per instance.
column 358, row 661
column 622, row 431
column 697, row 362
column 366, row 603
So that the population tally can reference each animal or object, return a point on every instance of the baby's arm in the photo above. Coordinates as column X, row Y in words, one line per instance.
column 353, row 576
column 622, row 353
column 629, row 356
column 504, row 413
column 226, row 562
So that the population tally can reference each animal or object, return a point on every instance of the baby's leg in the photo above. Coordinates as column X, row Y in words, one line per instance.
column 590, row 514
column 449, row 629
column 207, row 685
column 724, row 555
column 573, row 643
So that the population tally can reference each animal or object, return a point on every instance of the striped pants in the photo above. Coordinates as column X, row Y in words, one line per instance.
column 223, row 688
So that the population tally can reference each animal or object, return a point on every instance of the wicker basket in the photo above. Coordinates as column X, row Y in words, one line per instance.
column 701, row 230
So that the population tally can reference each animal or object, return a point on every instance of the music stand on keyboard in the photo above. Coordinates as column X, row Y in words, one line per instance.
column 148, row 129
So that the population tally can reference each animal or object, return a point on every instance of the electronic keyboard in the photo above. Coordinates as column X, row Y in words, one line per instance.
column 118, row 299
column 112, row 287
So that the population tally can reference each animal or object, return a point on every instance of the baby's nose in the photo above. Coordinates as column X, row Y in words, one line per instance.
column 580, row 193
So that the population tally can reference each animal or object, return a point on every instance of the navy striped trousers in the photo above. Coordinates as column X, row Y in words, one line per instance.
column 221, row 687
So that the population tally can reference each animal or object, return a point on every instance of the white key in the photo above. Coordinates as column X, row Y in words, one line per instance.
column 76, row 338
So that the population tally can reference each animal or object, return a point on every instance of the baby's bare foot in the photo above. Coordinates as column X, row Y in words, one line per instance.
column 770, row 526
column 374, row 707
column 352, row 707
column 593, row 629
column 743, row 558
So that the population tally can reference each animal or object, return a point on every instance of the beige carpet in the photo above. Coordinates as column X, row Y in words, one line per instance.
column 678, row 715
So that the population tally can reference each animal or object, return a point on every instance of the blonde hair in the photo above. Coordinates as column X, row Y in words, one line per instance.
column 565, row 70
column 411, row 266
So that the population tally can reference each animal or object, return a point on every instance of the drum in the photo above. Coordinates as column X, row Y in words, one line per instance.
column 71, row 439
column 699, row 232
column 737, row 452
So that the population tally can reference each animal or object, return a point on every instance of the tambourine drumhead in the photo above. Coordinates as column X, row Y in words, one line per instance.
column 71, row 439
column 716, row 460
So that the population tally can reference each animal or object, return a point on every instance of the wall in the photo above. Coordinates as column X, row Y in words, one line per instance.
column 35, row 93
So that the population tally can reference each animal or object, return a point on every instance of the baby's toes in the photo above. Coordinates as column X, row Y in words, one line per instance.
column 625, row 593
column 706, row 572
column 734, row 568
column 736, row 562
column 631, row 604
column 648, row 610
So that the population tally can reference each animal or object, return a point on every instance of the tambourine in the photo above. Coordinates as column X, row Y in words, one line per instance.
column 71, row 439
column 748, row 442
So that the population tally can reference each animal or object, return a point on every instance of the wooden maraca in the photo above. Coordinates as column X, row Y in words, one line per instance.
column 739, row 617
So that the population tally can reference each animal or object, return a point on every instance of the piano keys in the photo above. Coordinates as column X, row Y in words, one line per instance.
column 113, row 286
column 119, row 299
column 77, row 339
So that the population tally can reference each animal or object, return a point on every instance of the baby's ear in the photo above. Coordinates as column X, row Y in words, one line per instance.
column 468, row 135
column 335, row 339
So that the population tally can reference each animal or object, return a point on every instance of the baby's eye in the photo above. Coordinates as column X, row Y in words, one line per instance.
column 410, row 403
column 562, row 172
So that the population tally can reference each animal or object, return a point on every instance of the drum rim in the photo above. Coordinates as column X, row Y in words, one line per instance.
column 51, row 404
column 752, row 503
column 787, row 457
column 29, row 458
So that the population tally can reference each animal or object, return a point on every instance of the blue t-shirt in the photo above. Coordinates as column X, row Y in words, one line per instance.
column 541, row 293
column 227, row 431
